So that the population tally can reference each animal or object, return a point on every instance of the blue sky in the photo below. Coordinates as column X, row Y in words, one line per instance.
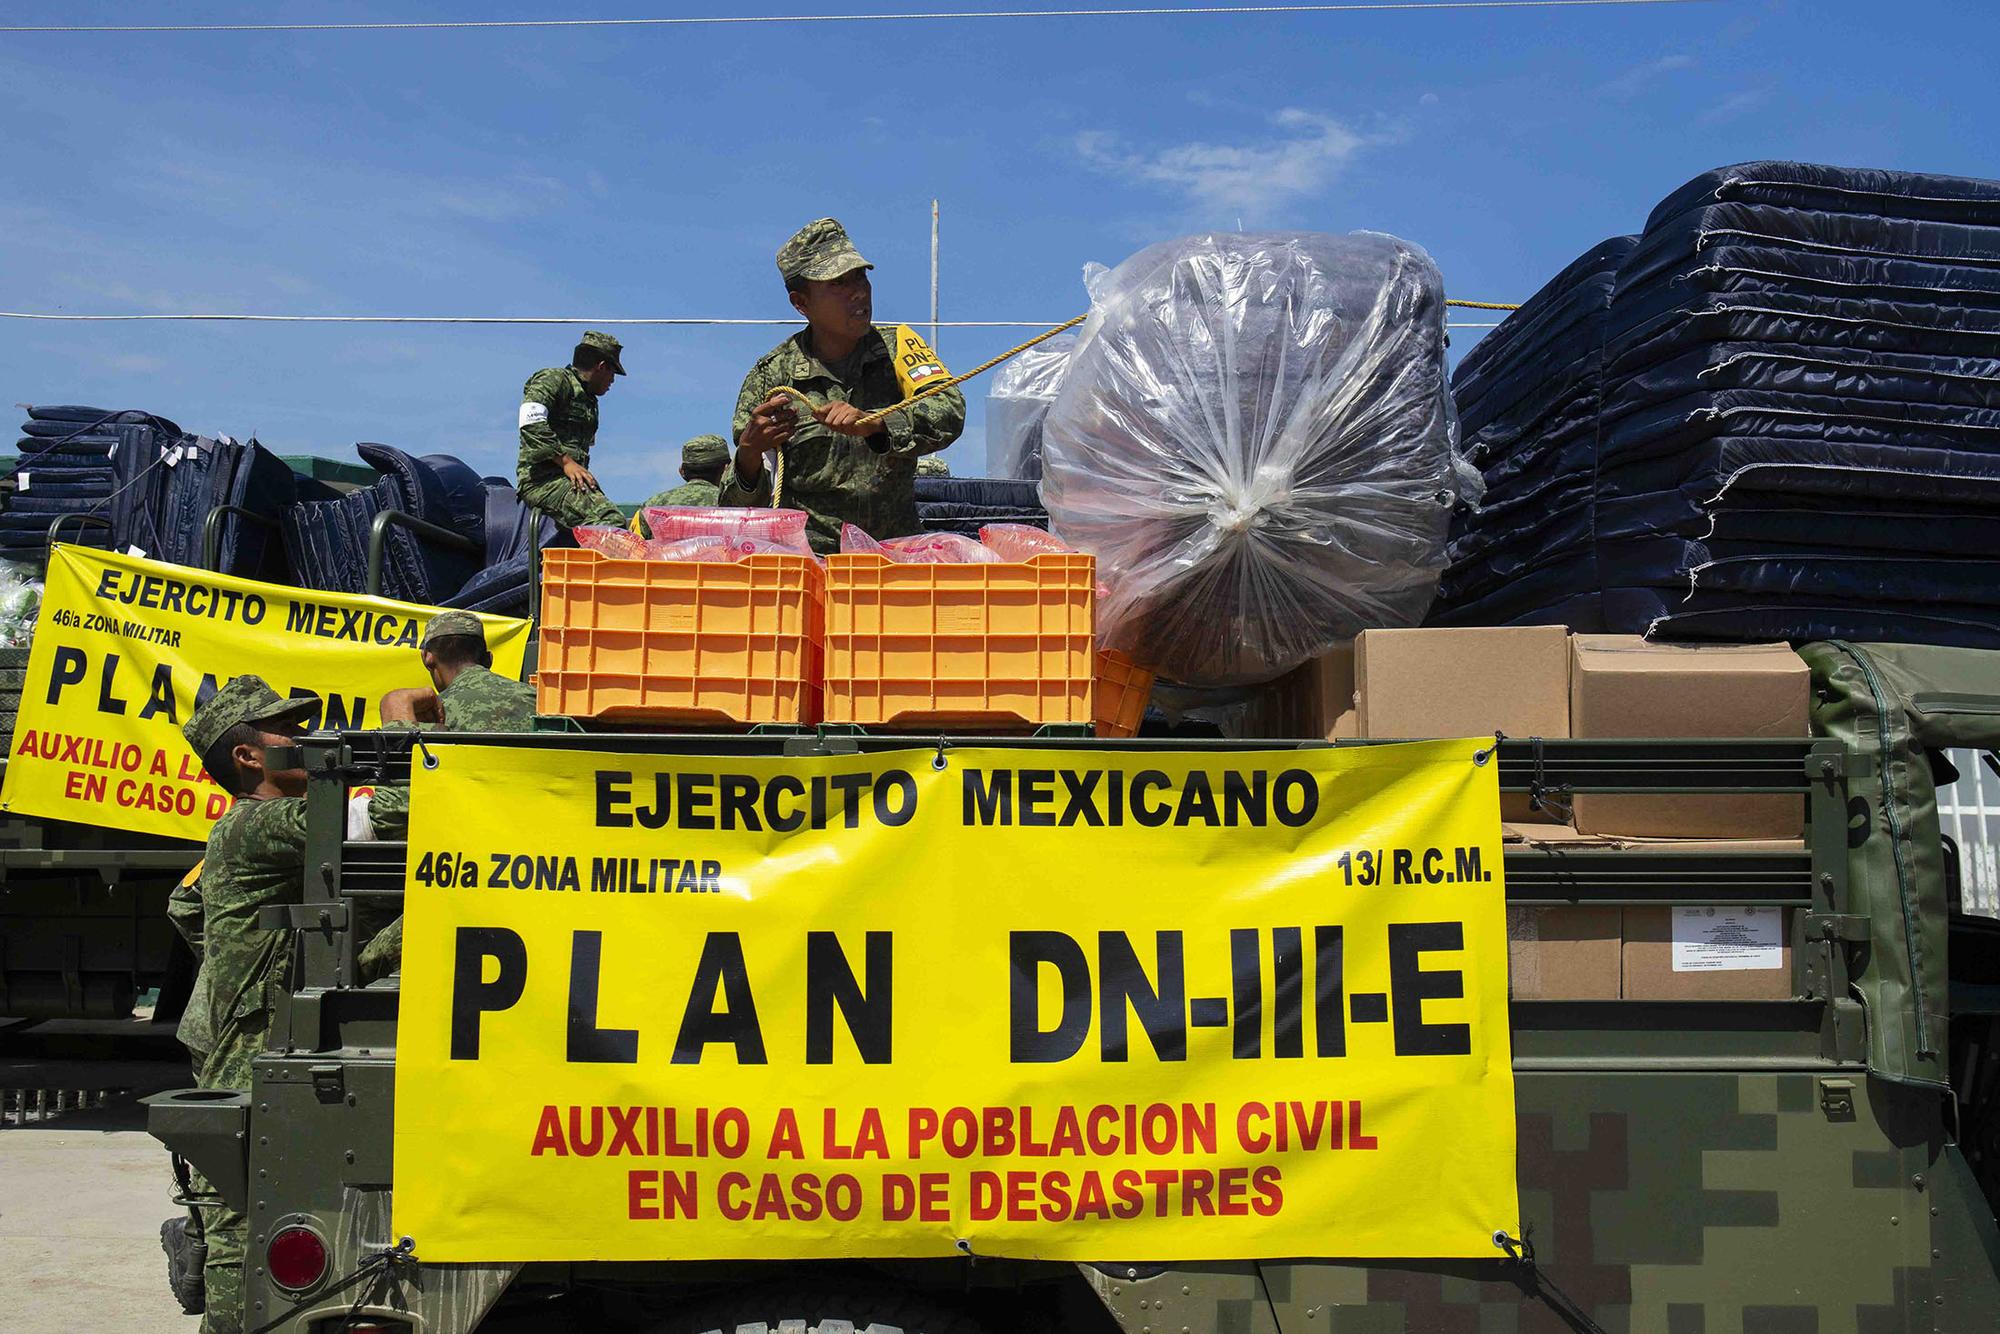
column 652, row 172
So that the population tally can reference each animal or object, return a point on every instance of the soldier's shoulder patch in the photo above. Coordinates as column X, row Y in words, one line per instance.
column 916, row 364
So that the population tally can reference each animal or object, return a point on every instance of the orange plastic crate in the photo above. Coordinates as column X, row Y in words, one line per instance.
column 1122, row 689
column 960, row 646
column 698, row 642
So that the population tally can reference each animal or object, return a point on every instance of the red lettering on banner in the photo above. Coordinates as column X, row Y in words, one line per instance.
column 785, row 1136
column 642, row 1195
column 549, row 1136
column 869, row 1139
column 1355, row 1137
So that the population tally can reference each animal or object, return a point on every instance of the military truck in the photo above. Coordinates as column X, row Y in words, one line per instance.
column 1827, row 1162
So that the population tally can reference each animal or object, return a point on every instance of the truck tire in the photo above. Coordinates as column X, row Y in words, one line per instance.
column 815, row 1312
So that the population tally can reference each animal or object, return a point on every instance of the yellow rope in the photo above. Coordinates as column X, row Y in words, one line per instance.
column 778, row 473
column 952, row 382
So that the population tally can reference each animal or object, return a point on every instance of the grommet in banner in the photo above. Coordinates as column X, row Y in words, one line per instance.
column 1479, row 757
column 938, row 762
column 430, row 760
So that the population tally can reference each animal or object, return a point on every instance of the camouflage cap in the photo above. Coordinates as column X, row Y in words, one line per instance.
column 705, row 451
column 452, row 623
column 819, row 251
column 609, row 346
column 247, row 699
column 930, row 465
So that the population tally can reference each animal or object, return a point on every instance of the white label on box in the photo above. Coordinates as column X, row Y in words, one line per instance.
column 1715, row 940
column 24, row 482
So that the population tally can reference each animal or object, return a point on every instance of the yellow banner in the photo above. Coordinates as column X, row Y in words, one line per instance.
column 125, row 649
column 1067, row 1004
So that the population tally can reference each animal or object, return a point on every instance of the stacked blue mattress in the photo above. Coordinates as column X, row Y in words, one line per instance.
column 487, row 570
column 1796, row 429
column 144, row 485
column 966, row 504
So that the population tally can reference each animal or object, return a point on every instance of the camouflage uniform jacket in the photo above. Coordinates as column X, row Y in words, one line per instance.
column 558, row 420
column 869, row 482
column 687, row 493
column 196, row 1031
column 255, row 858
column 481, row 700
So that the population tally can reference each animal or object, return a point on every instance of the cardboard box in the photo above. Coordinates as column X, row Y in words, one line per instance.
column 1623, row 686
column 1465, row 682
column 1718, row 953
column 1316, row 702
column 1564, row 953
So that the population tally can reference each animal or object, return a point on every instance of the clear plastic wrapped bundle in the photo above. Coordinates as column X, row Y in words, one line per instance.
column 781, row 528
column 1019, row 399
column 20, row 605
column 918, row 548
column 1256, row 438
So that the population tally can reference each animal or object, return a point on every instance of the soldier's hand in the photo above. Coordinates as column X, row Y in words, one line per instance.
column 580, row 477
column 845, row 418
column 771, row 424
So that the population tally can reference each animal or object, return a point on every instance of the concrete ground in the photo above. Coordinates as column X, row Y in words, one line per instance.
column 83, row 1193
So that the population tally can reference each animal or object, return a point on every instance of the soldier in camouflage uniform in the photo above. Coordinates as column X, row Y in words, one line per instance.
column 558, row 427
column 469, row 696
column 847, row 366
column 703, row 461
column 185, row 1238
column 255, row 858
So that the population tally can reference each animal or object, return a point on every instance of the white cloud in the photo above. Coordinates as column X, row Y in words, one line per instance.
column 1258, row 178
column 1735, row 105
column 1639, row 78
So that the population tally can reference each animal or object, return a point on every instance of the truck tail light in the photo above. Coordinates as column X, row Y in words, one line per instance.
column 296, row 1258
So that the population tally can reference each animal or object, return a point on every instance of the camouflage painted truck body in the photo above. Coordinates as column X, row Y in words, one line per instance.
column 1776, row 1167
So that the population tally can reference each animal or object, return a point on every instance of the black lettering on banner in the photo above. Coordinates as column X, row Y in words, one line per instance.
column 1468, row 866
column 1241, row 796
column 1288, row 1007
column 783, row 785
column 721, row 968
column 1162, row 1011
column 589, row 1044
column 68, row 668
column 1410, row 985
column 1151, row 816
column 1037, row 788
column 896, row 783
column 1295, row 798
column 739, row 802
column 695, row 795
column 1246, row 986
column 614, row 799
column 1197, row 801
column 830, row 982
column 1079, row 787
column 1028, row 1043
column 106, row 701
column 1329, row 992
column 850, row 787
column 471, row 995
column 161, row 698
column 986, row 803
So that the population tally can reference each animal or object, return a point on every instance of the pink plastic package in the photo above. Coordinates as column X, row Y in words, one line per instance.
column 617, row 543
column 1014, row 542
column 919, row 548
column 716, row 548
column 783, row 530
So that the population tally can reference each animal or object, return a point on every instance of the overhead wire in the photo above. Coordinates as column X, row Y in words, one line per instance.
column 716, row 20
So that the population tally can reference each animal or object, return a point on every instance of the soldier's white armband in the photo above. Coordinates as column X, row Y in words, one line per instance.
column 534, row 414
column 360, row 827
